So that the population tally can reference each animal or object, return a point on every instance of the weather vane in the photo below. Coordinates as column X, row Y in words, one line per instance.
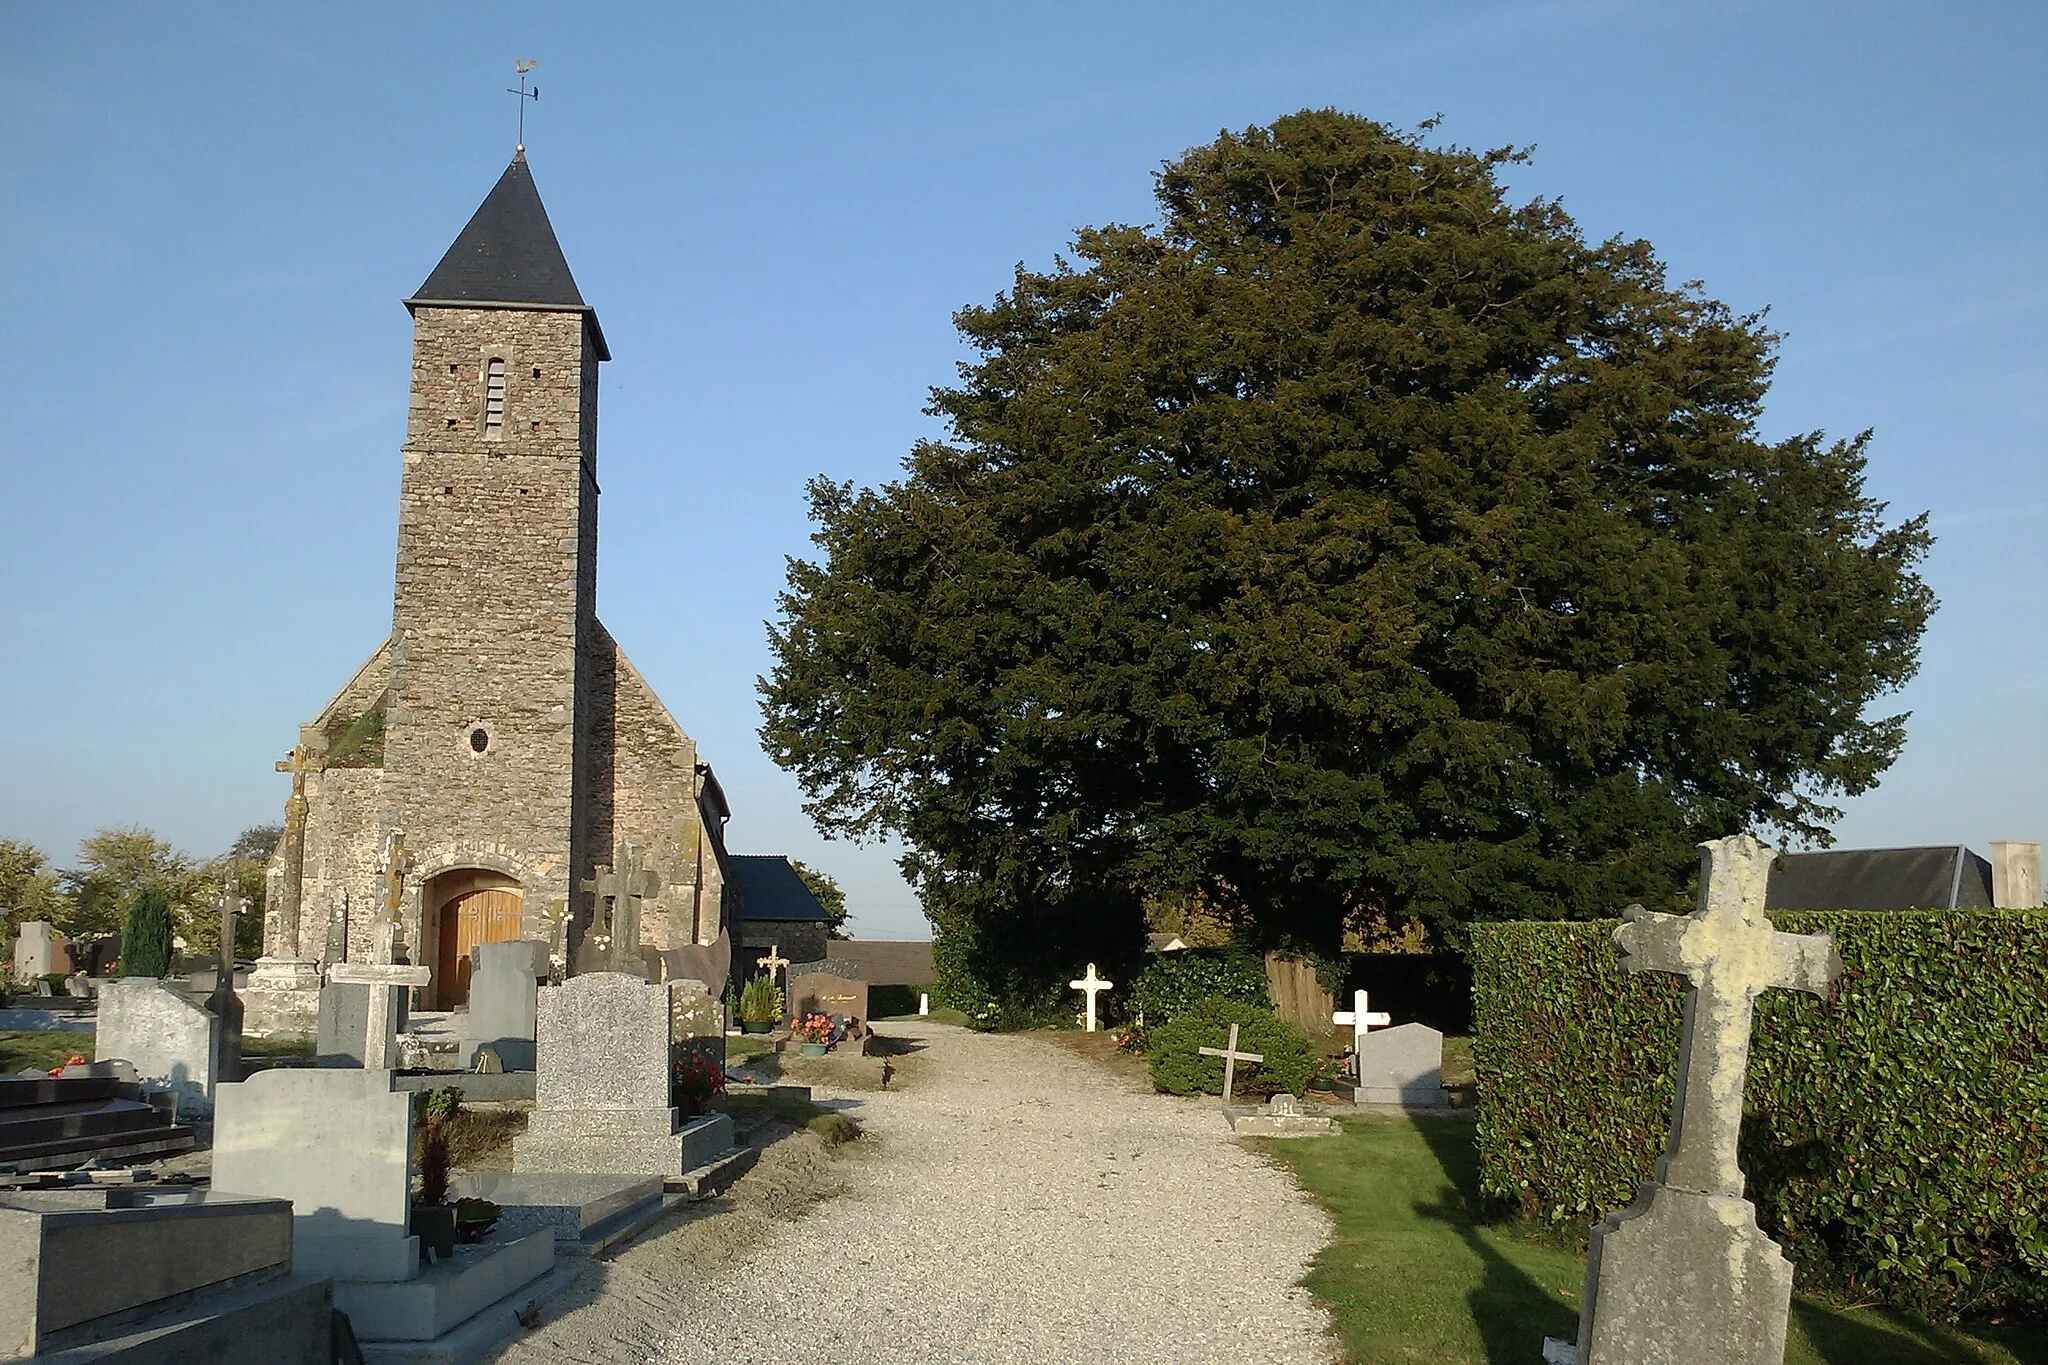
column 522, row 66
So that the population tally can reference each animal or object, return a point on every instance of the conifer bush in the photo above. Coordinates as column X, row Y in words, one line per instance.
column 146, row 936
column 1179, row 1068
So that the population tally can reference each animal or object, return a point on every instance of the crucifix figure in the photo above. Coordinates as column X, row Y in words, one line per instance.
column 1092, row 985
column 389, row 944
column 1685, row 1273
column 1360, row 1020
column 774, row 962
column 624, row 885
column 1231, row 1057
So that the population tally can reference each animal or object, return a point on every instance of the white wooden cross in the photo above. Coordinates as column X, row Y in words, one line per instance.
column 1360, row 1021
column 1092, row 985
column 1231, row 1057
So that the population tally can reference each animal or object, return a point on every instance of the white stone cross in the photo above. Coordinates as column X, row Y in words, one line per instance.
column 380, row 1041
column 1728, row 954
column 1092, row 985
column 774, row 962
column 1360, row 1021
column 1231, row 1057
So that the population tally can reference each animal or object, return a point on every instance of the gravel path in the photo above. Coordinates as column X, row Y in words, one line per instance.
column 1021, row 1205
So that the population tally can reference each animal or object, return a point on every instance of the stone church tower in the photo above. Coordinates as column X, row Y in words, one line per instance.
column 499, row 727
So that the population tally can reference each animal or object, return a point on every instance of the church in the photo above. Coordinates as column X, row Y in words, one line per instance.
column 471, row 782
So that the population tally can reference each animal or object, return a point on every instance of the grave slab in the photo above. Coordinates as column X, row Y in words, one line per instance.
column 1281, row 1118
column 570, row 1205
column 286, row 1321
column 445, row 1294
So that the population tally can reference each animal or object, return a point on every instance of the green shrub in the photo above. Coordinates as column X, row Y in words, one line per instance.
column 1178, row 1068
column 1895, row 1139
column 146, row 936
column 1171, row 982
column 761, row 1000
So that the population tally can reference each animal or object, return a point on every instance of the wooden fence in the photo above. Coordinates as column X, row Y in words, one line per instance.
column 1297, row 997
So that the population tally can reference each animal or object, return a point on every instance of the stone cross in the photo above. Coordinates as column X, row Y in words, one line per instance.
column 624, row 884
column 391, row 873
column 380, row 1038
column 298, row 764
column 1728, row 954
column 1231, row 1057
column 224, row 1004
column 229, row 903
column 774, row 962
column 1360, row 1020
column 1685, row 1273
column 1092, row 985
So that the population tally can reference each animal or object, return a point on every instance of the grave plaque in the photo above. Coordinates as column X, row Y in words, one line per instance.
column 503, row 1002
column 829, row 994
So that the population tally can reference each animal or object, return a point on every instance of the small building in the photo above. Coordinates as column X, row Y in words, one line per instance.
column 1935, row 877
column 778, row 911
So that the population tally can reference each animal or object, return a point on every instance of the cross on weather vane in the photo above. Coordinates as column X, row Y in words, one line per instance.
column 522, row 66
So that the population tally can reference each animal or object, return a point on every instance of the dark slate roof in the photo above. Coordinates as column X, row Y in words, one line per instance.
column 773, row 891
column 507, row 257
column 1936, row 878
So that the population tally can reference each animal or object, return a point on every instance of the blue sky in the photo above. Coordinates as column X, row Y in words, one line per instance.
column 210, row 213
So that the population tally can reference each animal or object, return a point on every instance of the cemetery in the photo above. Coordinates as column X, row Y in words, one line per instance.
column 1347, row 684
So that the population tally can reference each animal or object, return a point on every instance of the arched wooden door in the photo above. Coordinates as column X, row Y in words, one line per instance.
column 488, row 916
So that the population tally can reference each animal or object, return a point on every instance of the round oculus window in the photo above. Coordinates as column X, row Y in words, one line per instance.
column 479, row 739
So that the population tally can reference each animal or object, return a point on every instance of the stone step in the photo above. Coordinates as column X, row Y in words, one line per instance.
column 64, row 1153
column 714, row 1175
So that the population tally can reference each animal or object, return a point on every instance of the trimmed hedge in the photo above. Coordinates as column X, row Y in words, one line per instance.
column 1178, row 1068
column 1895, row 1138
column 1172, row 982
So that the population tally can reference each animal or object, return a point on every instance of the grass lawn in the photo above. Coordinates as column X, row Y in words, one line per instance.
column 939, row 1015
column 745, row 1047
column 44, row 1050
column 1409, row 1277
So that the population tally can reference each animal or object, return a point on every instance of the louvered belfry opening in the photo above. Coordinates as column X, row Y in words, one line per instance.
column 494, row 397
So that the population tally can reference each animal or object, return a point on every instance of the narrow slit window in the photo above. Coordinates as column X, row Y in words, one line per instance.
column 494, row 397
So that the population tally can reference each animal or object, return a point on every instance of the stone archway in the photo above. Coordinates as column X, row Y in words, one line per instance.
column 463, row 907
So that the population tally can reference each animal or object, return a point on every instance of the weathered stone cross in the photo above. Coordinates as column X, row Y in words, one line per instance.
column 1231, row 1057
column 1092, row 985
column 389, row 942
column 1685, row 1273
column 774, row 962
column 1729, row 955
column 296, row 806
column 625, row 883
column 1360, row 1021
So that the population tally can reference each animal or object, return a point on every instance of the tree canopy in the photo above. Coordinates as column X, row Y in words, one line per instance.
column 1353, row 544
column 823, row 886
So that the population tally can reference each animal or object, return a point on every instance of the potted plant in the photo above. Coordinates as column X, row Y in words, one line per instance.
column 814, row 1034
column 474, row 1218
column 696, row 1078
column 760, row 1005
column 433, row 1218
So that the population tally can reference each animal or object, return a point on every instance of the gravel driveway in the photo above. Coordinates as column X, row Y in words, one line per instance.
column 1021, row 1205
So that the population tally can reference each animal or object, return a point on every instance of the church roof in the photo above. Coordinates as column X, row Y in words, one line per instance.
column 507, row 257
column 774, row 891
column 1941, row 877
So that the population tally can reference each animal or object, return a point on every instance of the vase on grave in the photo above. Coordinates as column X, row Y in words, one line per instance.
column 812, row 1049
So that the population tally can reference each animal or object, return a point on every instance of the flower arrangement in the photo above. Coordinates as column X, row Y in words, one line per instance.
column 814, row 1028
column 695, row 1078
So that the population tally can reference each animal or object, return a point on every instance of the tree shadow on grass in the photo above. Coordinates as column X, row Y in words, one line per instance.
column 1898, row 1339
column 1512, row 1311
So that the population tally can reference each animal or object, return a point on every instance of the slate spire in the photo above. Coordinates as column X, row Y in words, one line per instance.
column 507, row 257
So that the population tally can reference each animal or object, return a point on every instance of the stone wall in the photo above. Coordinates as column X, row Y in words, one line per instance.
column 799, row 942
column 343, row 842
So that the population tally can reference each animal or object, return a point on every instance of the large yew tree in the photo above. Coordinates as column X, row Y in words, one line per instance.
column 1355, row 544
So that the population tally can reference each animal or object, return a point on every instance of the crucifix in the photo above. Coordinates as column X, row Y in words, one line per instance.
column 1091, row 985
column 1231, row 1057
column 522, row 66
column 774, row 962
column 624, row 884
column 1360, row 1020
column 388, row 945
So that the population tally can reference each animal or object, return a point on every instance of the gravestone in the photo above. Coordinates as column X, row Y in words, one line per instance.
column 602, row 1091
column 389, row 986
column 1402, row 1065
column 1281, row 1118
column 829, row 994
column 1685, row 1273
column 504, row 1002
column 1091, row 986
column 612, row 943
column 41, row 951
column 710, row 963
column 338, row 1144
column 698, row 1021
column 344, row 1021
column 173, row 1044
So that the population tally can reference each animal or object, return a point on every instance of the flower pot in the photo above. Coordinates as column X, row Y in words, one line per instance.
column 757, row 1025
column 811, row 1049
